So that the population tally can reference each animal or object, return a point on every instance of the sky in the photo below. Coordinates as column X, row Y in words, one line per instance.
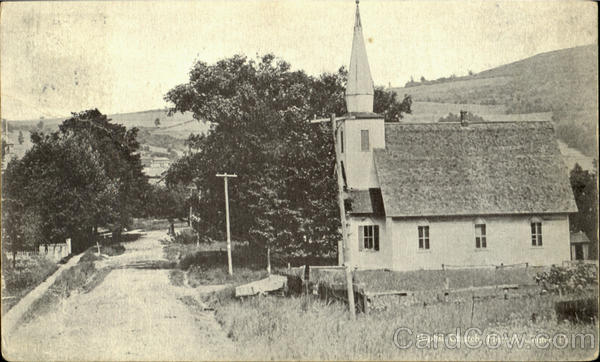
column 63, row 57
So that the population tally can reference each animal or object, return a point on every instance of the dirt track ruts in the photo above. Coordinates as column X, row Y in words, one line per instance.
column 134, row 314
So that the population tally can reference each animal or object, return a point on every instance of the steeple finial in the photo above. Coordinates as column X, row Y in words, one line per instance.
column 357, row 16
column 359, row 89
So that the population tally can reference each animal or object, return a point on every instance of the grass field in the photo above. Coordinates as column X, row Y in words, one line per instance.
column 305, row 328
column 207, row 264
column 474, row 90
column 423, row 112
column 27, row 274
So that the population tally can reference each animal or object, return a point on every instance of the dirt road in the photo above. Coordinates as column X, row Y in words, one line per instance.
column 135, row 314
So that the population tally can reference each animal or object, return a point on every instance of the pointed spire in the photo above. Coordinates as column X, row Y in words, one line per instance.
column 359, row 89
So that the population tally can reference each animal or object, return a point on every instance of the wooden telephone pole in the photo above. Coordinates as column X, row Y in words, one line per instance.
column 344, row 249
column 225, row 177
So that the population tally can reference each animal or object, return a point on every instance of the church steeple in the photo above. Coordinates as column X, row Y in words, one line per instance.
column 359, row 89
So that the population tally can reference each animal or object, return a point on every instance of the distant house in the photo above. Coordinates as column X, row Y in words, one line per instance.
column 155, row 174
column 425, row 195
column 580, row 246
column 155, row 168
column 161, row 162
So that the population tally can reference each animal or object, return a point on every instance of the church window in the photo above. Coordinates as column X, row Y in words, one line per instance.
column 536, row 234
column 364, row 140
column 480, row 236
column 368, row 236
column 423, row 237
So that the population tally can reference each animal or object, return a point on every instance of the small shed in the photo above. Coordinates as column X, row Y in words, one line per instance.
column 580, row 246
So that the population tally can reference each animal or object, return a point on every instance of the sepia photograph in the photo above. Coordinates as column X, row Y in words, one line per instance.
column 228, row 180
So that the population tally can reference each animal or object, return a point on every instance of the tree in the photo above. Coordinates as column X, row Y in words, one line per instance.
column 386, row 103
column 85, row 175
column 286, row 190
column 169, row 203
column 40, row 125
column 586, row 197
column 20, row 139
column 58, row 190
column 157, row 122
column 4, row 148
column 118, row 150
column 13, row 239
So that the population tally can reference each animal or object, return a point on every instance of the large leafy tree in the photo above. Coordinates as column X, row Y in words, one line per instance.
column 386, row 103
column 57, row 190
column 118, row 152
column 586, row 197
column 85, row 175
column 285, row 193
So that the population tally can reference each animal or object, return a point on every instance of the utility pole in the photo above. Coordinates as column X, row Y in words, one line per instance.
column 191, row 188
column 344, row 249
column 198, row 222
column 225, row 177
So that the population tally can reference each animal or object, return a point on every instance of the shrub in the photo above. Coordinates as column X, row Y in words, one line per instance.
column 89, row 256
column 578, row 310
column 184, row 237
column 567, row 280
column 112, row 250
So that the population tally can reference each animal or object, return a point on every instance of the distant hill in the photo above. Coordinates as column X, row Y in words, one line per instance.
column 561, row 85
column 566, row 78
column 167, row 138
column 132, row 119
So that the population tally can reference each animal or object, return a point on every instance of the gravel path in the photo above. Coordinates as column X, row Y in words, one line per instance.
column 135, row 314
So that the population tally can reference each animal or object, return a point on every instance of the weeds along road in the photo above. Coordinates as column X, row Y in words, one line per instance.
column 134, row 314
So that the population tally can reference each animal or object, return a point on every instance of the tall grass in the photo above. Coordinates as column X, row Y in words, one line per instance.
column 304, row 328
column 422, row 280
column 27, row 274
column 206, row 266
column 81, row 278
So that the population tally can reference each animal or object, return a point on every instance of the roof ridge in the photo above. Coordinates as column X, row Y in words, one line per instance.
column 468, row 123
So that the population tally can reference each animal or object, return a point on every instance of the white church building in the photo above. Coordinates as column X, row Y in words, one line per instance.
column 424, row 195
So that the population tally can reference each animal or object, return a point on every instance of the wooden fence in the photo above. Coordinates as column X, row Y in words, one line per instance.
column 328, row 284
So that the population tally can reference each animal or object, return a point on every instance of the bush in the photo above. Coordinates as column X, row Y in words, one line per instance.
column 89, row 256
column 112, row 250
column 205, row 259
column 184, row 237
column 567, row 280
column 578, row 310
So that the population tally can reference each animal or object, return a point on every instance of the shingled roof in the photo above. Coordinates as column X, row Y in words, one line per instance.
column 366, row 202
column 488, row 168
column 579, row 238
